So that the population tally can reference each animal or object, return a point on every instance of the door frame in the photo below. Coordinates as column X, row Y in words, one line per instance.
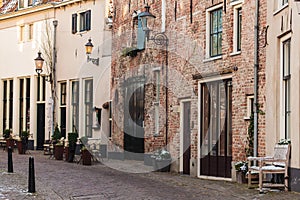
column 204, row 80
column 181, row 152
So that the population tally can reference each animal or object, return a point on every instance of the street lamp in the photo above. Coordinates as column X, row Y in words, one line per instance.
column 88, row 49
column 159, row 39
column 39, row 61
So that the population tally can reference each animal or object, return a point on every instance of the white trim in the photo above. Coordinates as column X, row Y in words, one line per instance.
column 215, row 78
column 208, row 59
column 235, row 30
column 282, row 98
column 181, row 133
column 215, row 178
column 235, row 53
column 163, row 16
column 236, row 2
column 208, row 11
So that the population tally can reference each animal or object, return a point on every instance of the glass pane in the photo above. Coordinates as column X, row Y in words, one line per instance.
column 222, row 117
column 205, row 121
column 214, row 119
column 286, row 58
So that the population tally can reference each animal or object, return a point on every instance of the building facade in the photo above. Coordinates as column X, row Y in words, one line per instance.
column 282, row 79
column 188, row 85
column 70, row 85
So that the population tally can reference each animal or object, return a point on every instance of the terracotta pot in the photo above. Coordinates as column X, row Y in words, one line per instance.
column 58, row 152
column 86, row 157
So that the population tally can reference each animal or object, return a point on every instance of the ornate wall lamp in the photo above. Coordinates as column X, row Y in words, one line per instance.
column 39, row 62
column 88, row 49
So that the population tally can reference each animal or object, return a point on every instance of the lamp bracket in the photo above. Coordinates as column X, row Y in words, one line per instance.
column 160, row 39
column 95, row 61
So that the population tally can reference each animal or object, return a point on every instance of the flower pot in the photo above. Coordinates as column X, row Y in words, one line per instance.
column 240, row 177
column 58, row 152
column 20, row 147
column 161, row 165
column 86, row 157
column 10, row 143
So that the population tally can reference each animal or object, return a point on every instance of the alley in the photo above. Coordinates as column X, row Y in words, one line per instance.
column 62, row 180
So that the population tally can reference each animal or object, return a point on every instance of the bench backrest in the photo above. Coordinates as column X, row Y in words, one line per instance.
column 282, row 152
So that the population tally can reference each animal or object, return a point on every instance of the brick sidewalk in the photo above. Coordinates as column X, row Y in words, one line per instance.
column 62, row 180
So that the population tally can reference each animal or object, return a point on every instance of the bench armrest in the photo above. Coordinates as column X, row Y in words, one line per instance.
column 267, row 158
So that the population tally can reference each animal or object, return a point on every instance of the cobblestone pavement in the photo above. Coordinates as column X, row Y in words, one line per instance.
column 62, row 180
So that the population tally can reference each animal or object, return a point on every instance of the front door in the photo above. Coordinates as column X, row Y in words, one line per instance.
column 186, row 137
column 63, row 121
column 40, row 126
column 134, row 118
column 216, row 128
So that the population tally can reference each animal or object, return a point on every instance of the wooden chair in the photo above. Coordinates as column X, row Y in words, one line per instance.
column 276, row 164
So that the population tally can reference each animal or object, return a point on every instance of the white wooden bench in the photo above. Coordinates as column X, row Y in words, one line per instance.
column 276, row 164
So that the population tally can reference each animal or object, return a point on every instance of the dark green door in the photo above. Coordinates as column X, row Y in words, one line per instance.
column 40, row 126
column 134, row 118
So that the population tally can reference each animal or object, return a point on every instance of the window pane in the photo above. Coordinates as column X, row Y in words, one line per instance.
column 216, row 32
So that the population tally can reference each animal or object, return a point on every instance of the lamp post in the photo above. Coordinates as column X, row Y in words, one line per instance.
column 88, row 49
column 159, row 39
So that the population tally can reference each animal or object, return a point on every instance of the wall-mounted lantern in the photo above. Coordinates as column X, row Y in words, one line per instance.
column 88, row 49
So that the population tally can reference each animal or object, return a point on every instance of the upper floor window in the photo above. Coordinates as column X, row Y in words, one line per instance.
column 278, row 4
column 22, row 33
column 30, row 31
column 237, row 28
column 63, row 94
column 81, row 21
column 215, row 32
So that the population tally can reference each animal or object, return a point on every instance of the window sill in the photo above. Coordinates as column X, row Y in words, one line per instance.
column 235, row 53
column 280, row 9
column 246, row 118
column 212, row 59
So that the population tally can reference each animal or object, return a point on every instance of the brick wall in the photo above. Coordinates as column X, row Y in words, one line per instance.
column 186, row 52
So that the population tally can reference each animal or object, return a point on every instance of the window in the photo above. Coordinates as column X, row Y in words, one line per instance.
column 215, row 35
column 63, row 94
column 280, row 4
column 88, row 100
column 238, row 27
column 286, row 54
column 22, row 33
column 24, row 104
column 21, row 3
column 30, row 31
column 7, row 104
column 4, row 105
column 30, row 2
column 83, row 20
column 75, row 105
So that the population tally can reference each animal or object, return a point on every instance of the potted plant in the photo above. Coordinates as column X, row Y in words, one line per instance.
column 58, row 144
column 72, row 138
column 86, row 156
column 241, row 168
column 7, row 134
column 161, row 160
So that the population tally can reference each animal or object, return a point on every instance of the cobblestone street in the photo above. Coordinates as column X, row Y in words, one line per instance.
column 62, row 180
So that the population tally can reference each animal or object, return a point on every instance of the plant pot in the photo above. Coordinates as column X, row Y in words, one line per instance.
column 240, row 177
column 20, row 147
column 71, row 152
column 161, row 165
column 58, row 152
column 86, row 157
column 10, row 143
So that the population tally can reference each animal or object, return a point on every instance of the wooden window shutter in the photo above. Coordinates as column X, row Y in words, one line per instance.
column 74, row 23
column 88, row 20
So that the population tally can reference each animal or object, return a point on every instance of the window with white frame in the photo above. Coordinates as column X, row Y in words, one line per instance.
column 81, row 21
column 88, row 101
column 75, row 105
column 278, row 4
column 24, row 104
column 7, row 104
column 237, row 28
column 286, row 54
column 215, row 29
column 30, row 31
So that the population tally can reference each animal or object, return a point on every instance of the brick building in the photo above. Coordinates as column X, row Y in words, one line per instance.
column 190, row 86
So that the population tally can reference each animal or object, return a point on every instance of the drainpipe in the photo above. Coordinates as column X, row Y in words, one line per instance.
column 256, row 76
column 53, row 83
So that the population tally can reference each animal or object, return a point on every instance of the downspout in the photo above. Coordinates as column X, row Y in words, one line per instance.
column 53, row 83
column 256, row 77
